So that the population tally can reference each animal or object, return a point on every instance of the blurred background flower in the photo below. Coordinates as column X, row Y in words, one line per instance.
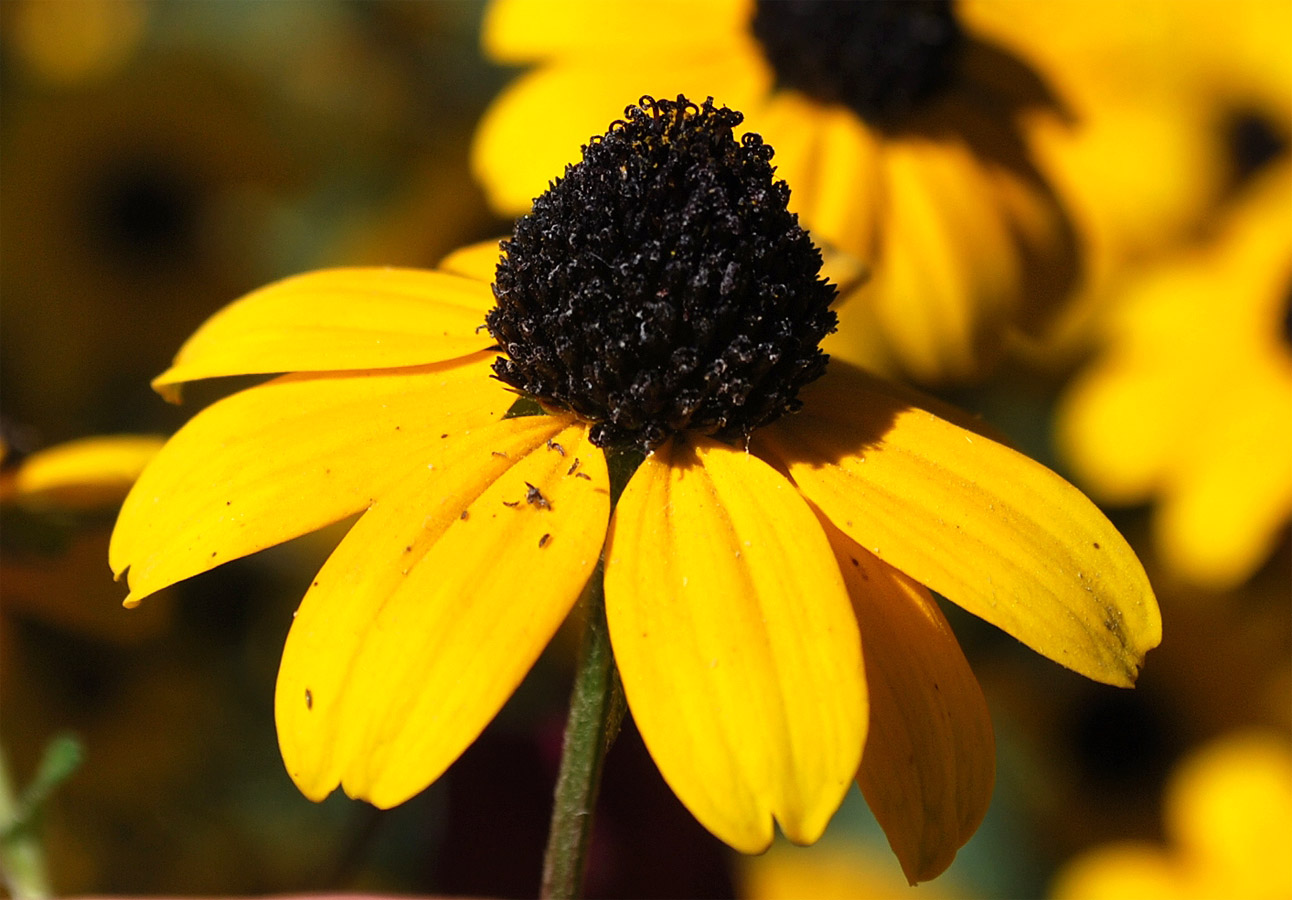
column 158, row 160
column 1228, row 821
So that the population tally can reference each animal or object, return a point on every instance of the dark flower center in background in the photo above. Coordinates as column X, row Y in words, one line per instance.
column 1287, row 317
column 1254, row 141
column 144, row 210
column 661, row 284
column 878, row 58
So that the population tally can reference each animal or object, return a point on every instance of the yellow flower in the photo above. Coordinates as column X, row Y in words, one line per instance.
column 893, row 122
column 662, row 305
column 1229, row 823
column 1201, row 91
column 1191, row 403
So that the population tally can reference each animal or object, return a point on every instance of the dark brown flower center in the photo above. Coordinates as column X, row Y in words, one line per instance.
column 880, row 58
column 661, row 284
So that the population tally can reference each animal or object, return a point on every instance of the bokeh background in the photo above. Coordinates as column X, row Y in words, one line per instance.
column 159, row 159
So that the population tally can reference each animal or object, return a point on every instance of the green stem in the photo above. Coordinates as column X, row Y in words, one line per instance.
column 596, row 706
column 21, row 861
column 596, row 709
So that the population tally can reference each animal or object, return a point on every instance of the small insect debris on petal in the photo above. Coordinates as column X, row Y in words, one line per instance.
column 535, row 497
column 542, row 542
column 553, row 445
column 584, row 475
column 309, row 699
column 500, row 453
column 464, row 514
column 512, row 503
column 574, row 465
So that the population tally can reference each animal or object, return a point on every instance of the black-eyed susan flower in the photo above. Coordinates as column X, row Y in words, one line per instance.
column 1228, row 822
column 1200, row 91
column 895, row 124
column 658, row 304
column 1189, row 405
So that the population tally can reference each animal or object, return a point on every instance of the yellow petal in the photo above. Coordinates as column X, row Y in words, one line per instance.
column 930, row 758
column 948, row 269
column 519, row 31
column 84, row 473
column 1128, row 870
column 1229, row 811
column 739, row 652
column 1227, row 508
column 478, row 262
column 981, row 524
column 285, row 458
column 1119, row 427
column 535, row 113
column 436, row 604
column 830, row 161
column 339, row 319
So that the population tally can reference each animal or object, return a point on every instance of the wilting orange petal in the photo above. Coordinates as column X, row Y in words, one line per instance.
column 930, row 758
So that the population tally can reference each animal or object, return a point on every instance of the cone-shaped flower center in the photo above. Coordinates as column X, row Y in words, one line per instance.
column 878, row 58
column 662, row 285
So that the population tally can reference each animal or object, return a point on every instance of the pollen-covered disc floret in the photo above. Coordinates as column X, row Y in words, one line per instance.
column 879, row 59
column 662, row 285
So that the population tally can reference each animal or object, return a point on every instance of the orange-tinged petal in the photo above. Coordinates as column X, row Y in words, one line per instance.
column 84, row 473
column 437, row 603
column 738, row 649
column 520, row 31
column 339, row 319
column 534, row 112
column 983, row 525
column 285, row 458
column 930, row 758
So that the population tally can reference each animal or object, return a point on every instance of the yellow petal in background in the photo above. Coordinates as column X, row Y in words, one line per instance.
column 930, row 759
column 1132, row 870
column 1227, row 508
column 981, row 524
column 477, row 261
column 520, row 31
column 831, row 162
column 339, row 319
column 1229, row 811
column 948, row 268
column 285, row 458
column 738, row 649
column 436, row 605
column 81, row 474
column 534, row 112
column 1119, row 427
